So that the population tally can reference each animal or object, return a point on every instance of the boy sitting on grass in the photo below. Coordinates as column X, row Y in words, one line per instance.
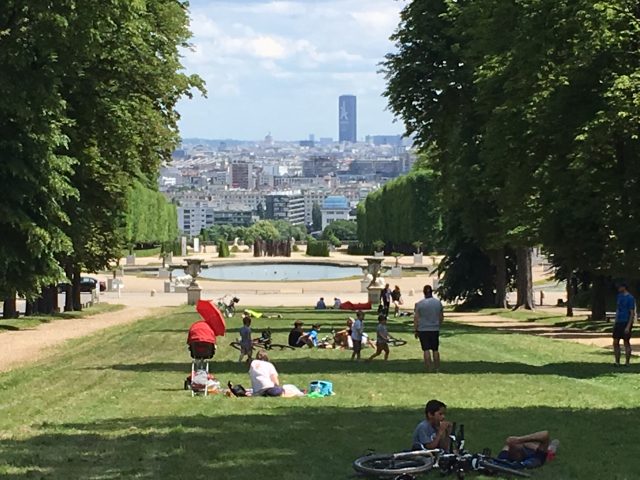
column 434, row 431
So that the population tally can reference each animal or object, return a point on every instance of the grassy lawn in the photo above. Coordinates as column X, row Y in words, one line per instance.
column 579, row 322
column 112, row 406
column 27, row 323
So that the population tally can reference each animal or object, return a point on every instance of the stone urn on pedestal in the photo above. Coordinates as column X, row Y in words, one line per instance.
column 194, row 265
column 376, row 285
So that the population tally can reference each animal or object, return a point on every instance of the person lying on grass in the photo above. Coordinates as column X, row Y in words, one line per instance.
column 434, row 431
column 529, row 451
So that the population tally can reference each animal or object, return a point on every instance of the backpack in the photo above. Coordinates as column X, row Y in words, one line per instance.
column 237, row 390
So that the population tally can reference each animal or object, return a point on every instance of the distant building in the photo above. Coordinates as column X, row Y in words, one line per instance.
column 334, row 208
column 311, row 197
column 347, row 118
column 326, row 141
column 287, row 206
column 379, row 140
column 318, row 166
column 237, row 218
column 194, row 216
column 242, row 175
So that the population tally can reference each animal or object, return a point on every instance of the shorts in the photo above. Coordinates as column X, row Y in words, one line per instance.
column 429, row 340
column 619, row 331
column 530, row 458
column 246, row 349
column 357, row 345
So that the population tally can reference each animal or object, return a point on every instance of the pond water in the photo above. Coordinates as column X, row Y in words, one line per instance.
column 280, row 272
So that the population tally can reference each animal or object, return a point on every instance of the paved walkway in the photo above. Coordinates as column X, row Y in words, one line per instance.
column 597, row 339
column 24, row 346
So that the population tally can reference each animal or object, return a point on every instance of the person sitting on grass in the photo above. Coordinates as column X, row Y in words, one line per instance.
column 434, row 431
column 295, row 334
column 264, row 377
column 246, row 344
column 311, row 337
column 321, row 305
column 382, row 339
column 529, row 451
column 342, row 337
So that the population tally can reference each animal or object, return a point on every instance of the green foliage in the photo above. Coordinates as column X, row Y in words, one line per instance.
column 264, row 229
column 359, row 248
column 378, row 245
column 150, row 218
column 344, row 230
column 235, row 249
column 223, row 249
column 318, row 248
column 401, row 212
column 316, row 217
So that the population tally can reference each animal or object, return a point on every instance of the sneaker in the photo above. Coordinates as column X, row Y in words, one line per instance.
column 553, row 448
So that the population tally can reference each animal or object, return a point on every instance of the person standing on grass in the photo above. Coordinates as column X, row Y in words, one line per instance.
column 382, row 339
column 385, row 299
column 357, row 329
column 246, row 344
column 427, row 319
column 625, row 315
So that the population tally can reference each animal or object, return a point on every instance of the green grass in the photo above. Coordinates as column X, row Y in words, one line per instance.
column 27, row 323
column 112, row 406
column 146, row 252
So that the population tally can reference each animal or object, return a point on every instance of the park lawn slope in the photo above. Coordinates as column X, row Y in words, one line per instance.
column 112, row 405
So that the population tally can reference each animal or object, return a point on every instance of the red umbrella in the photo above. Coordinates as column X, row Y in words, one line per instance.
column 210, row 314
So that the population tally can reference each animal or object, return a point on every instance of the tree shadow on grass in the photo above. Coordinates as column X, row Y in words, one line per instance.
column 308, row 366
column 292, row 439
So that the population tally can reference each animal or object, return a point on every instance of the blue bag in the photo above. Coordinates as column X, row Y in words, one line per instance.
column 322, row 387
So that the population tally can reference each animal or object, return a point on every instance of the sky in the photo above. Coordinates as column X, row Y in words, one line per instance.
column 279, row 66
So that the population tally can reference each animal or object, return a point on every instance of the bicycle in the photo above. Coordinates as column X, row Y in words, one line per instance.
column 396, row 342
column 406, row 465
column 227, row 309
column 264, row 341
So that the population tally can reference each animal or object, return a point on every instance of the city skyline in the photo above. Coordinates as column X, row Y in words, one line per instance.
column 279, row 66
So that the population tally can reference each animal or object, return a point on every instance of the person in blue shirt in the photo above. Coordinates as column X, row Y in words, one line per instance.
column 625, row 316
column 321, row 305
column 311, row 337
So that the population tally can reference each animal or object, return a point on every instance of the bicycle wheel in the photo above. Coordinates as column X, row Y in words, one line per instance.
column 397, row 342
column 386, row 465
column 235, row 345
column 492, row 466
column 280, row 346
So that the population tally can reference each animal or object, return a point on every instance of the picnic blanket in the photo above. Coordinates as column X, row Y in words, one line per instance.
column 355, row 306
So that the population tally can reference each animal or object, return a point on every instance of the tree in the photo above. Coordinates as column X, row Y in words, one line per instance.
column 345, row 230
column 316, row 217
column 34, row 169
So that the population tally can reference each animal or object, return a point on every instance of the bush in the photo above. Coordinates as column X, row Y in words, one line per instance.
column 235, row 249
column 223, row 249
column 359, row 248
column 333, row 240
column 295, row 248
column 318, row 248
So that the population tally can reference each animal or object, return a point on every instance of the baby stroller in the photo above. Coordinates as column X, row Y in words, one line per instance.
column 202, row 347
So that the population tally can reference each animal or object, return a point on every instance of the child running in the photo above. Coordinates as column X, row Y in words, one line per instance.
column 246, row 344
column 382, row 340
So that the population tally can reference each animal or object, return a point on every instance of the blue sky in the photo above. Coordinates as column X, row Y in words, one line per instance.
column 279, row 67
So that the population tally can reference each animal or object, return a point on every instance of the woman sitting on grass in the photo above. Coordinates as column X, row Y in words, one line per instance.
column 264, row 377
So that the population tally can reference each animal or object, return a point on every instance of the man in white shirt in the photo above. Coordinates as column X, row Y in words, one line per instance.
column 427, row 319
column 357, row 329
column 264, row 377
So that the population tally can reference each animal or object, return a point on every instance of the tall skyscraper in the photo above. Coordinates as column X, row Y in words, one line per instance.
column 347, row 118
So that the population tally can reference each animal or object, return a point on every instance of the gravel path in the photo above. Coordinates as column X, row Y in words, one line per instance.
column 24, row 346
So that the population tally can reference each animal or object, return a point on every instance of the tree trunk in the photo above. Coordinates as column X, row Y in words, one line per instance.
column 500, row 264
column 9, row 309
column 524, row 279
column 68, row 297
column 599, row 298
column 571, row 291
column 75, row 289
